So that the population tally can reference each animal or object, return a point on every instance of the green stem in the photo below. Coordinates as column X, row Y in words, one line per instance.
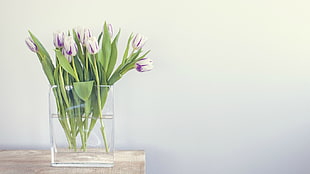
column 99, row 106
column 74, row 69
column 66, row 130
column 62, row 115
column 102, row 129
column 86, row 67
column 78, row 119
column 73, row 127
column 127, row 58
column 87, row 113
column 85, row 132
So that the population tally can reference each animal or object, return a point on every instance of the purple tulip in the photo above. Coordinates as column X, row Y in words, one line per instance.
column 145, row 64
column 138, row 41
column 83, row 34
column 31, row 45
column 70, row 46
column 58, row 38
column 92, row 45
column 68, row 57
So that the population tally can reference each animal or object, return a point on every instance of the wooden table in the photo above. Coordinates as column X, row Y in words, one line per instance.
column 38, row 162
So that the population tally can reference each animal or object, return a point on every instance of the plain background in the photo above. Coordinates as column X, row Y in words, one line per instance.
column 229, row 94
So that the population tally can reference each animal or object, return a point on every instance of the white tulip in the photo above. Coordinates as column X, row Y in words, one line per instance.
column 31, row 45
column 92, row 45
column 138, row 41
column 83, row 34
column 70, row 46
column 58, row 38
column 145, row 64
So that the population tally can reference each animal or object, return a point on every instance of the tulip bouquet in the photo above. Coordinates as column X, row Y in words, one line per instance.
column 85, row 64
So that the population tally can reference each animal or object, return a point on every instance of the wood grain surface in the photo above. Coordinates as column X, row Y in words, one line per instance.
column 38, row 162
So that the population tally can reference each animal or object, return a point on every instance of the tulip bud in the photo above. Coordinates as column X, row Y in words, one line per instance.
column 92, row 45
column 58, row 38
column 70, row 46
column 110, row 28
column 83, row 34
column 138, row 41
column 31, row 45
column 145, row 64
column 69, row 58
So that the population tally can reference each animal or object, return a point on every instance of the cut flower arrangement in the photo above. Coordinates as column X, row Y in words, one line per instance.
column 87, row 64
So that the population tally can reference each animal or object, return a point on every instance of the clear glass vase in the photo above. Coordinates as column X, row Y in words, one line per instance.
column 82, row 126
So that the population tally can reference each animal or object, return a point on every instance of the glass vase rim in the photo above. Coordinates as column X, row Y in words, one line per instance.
column 54, row 86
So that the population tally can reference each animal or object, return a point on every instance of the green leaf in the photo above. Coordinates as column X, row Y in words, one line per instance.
column 95, row 106
column 56, row 73
column 100, row 57
column 113, row 57
column 62, row 87
column 83, row 89
column 99, row 37
column 88, row 107
column 41, row 48
column 45, row 60
column 95, row 110
column 135, row 55
column 89, row 57
column 101, row 74
column 106, row 46
column 103, row 95
column 114, row 78
column 48, row 70
column 78, row 67
column 65, row 64
column 127, row 48
column 143, row 56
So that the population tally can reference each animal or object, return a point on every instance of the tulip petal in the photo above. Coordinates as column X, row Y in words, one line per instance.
column 31, row 45
column 58, row 39
column 144, row 64
column 138, row 41
column 92, row 45
column 70, row 46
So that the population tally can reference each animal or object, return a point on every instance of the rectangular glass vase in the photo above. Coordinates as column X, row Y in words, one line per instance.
column 82, row 128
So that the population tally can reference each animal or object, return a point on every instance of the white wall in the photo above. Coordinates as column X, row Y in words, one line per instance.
column 230, row 93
